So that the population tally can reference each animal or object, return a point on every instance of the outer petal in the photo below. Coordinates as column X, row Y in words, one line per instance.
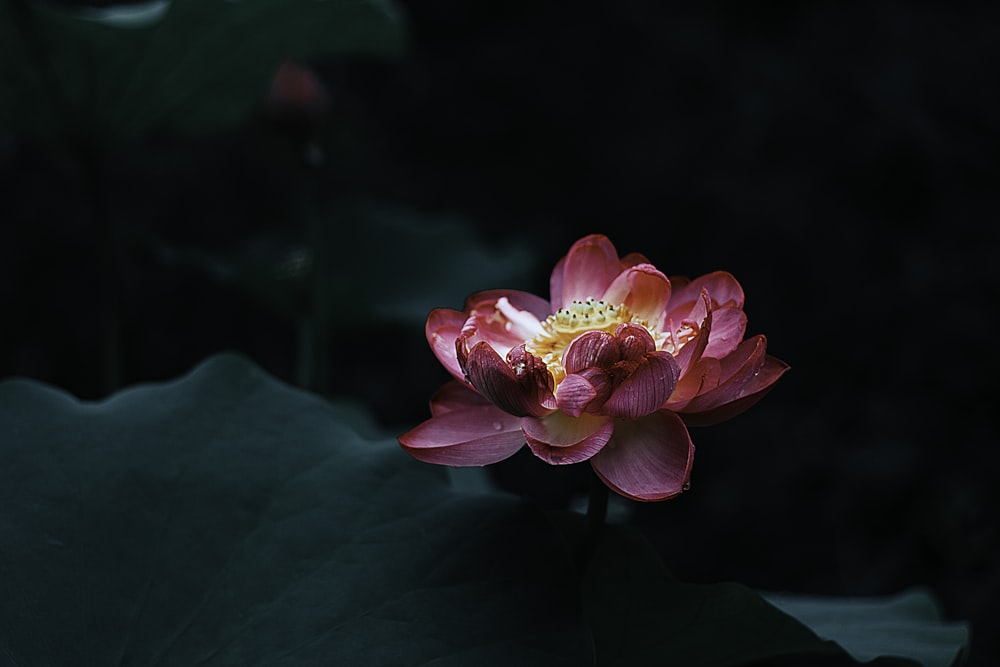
column 646, row 389
column 454, row 396
column 527, row 391
column 643, row 289
column 698, row 379
column 586, row 270
column 693, row 351
column 722, row 287
column 649, row 459
column 535, row 305
column 728, row 326
column 442, row 328
column 497, row 318
column 634, row 258
column 560, row 439
column 470, row 437
column 741, row 373
column 759, row 384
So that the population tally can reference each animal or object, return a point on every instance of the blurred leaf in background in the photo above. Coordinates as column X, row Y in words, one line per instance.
column 108, row 76
column 367, row 263
column 385, row 262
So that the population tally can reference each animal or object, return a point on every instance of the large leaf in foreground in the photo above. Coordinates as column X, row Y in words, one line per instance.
column 642, row 617
column 226, row 518
column 908, row 624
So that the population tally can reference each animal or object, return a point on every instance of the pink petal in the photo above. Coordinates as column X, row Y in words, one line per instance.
column 728, row 326
column 634, row 259
column 740, row 374
column 586, row 271
column 703, row 376
column 759, row 385
column 693, row 350
column 643, row 289
column 745, row 359
column 646, row 389
column 649, row 459
column 560, row 439
column 442, row 328
column 527, row 391
column 489, row 322
column 535, row 305
column 591, row 349
column 721, row 286
column 471, row 437
column 455, row 396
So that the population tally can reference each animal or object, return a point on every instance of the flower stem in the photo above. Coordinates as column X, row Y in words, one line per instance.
column 597, row 512
column 597, row 506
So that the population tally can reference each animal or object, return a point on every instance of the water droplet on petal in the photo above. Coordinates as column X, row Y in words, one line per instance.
column 686, row 487
column 497, row 426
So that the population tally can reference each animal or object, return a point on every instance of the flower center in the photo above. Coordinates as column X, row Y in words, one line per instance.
column 560, row 328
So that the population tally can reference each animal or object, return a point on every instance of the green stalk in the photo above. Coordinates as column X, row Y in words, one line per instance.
column 597, row 513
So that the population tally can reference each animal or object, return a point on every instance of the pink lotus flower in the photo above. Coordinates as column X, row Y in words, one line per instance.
column 610, row 371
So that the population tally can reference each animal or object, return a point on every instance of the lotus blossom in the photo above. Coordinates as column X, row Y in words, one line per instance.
column 610, row 371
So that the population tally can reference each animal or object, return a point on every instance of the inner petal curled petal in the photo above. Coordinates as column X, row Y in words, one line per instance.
column 592, row 349
column 646, row 389
column 520, row 392
column 635, row 341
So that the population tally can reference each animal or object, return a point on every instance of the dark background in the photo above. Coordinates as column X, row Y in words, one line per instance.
column 841, row 161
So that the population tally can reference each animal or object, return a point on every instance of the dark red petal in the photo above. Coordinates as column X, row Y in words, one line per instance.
column 602, row 381
column 454, row 396
column 586, row 391
column 635, row 341
column 646, row 389
column 471, row 437
column 560, row 439
column 759, row 385
column 643, row 289
column 520, row 394
column 589, row 350
column 649, row 459
column 574, row 394
column 591, row 264
column 442, row 328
